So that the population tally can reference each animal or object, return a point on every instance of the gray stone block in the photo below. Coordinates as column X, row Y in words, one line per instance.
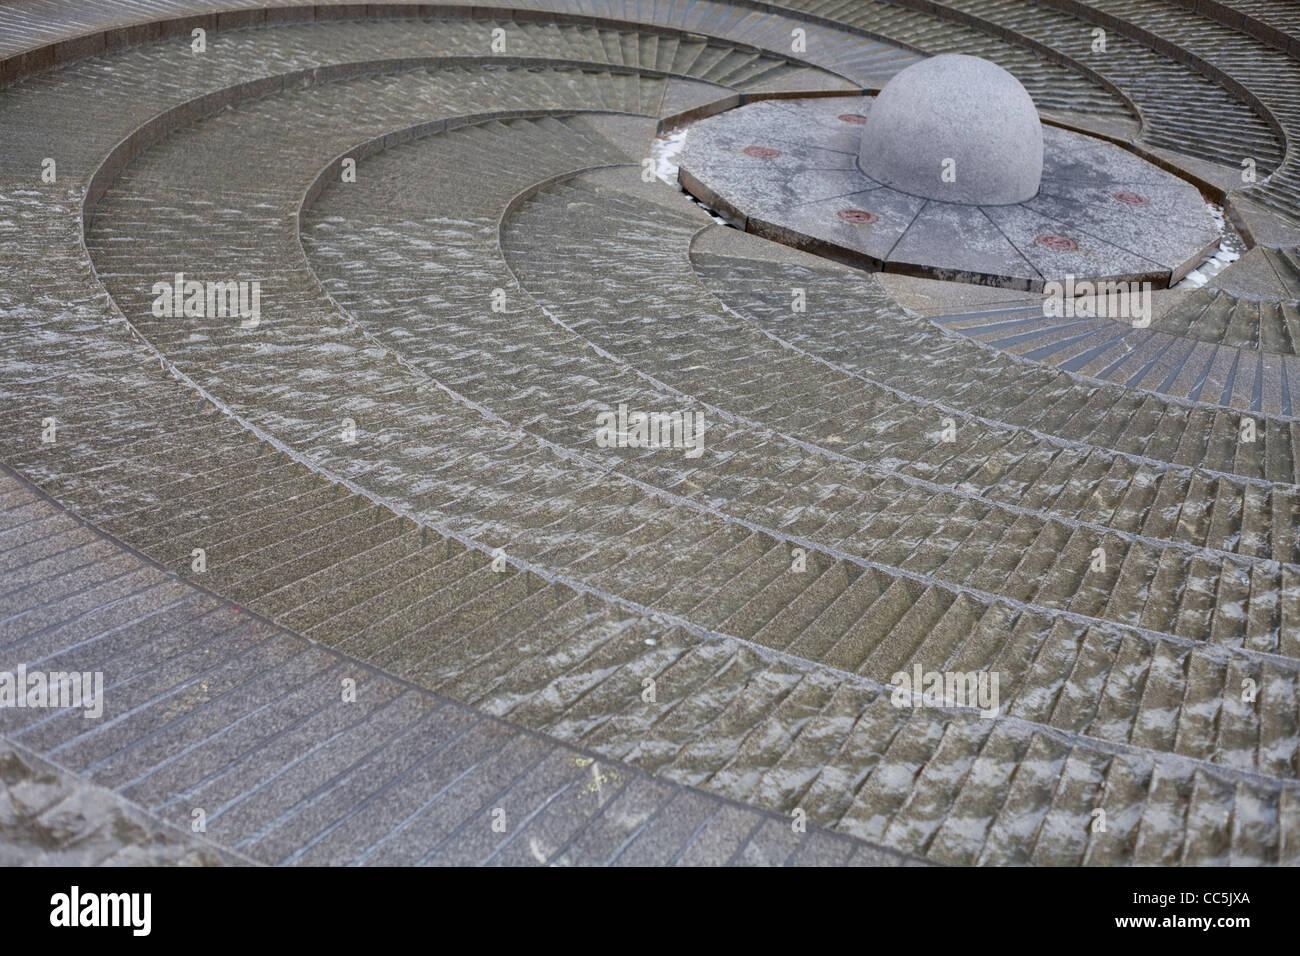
column 955, row 128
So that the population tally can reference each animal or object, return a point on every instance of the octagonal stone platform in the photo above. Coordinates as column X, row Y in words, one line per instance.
column 788, row 170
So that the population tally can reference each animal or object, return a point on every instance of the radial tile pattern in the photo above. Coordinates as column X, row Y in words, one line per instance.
column 790, row 171
column 363, row 574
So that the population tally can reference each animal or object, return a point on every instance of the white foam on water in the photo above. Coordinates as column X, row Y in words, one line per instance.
column 1229, row 250
column 666, row 151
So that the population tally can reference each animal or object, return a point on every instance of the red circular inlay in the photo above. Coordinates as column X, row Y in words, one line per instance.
column 859, row 217
column 1131, row 199
column 1059, row 243
column 761, row 152
column 857, row 119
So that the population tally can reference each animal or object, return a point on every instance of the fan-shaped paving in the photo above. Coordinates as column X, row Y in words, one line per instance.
column 400, row 462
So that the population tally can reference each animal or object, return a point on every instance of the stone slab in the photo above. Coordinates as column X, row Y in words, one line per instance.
column 786, row 170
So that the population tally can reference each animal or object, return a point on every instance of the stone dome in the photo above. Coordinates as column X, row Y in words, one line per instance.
column 955, row 128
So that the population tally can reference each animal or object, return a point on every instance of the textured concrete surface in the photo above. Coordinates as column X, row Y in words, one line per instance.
column 254, row 729
column 638, row 657
column 50, row 817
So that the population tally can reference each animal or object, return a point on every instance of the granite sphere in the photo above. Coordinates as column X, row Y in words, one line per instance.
column 955, row 128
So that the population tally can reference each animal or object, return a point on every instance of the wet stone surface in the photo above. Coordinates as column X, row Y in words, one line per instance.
column 521, row 685
column 799, row 197
column 49, row 817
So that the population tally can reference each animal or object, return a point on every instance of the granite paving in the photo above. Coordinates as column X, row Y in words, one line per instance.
column 368, row 583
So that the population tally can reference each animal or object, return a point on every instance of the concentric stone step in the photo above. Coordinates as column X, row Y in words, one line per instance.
column 1253, row 70
column 286, row 753
column 1147, row 430
column 476, row 541
column 1275, row 23
column 1174, row 100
